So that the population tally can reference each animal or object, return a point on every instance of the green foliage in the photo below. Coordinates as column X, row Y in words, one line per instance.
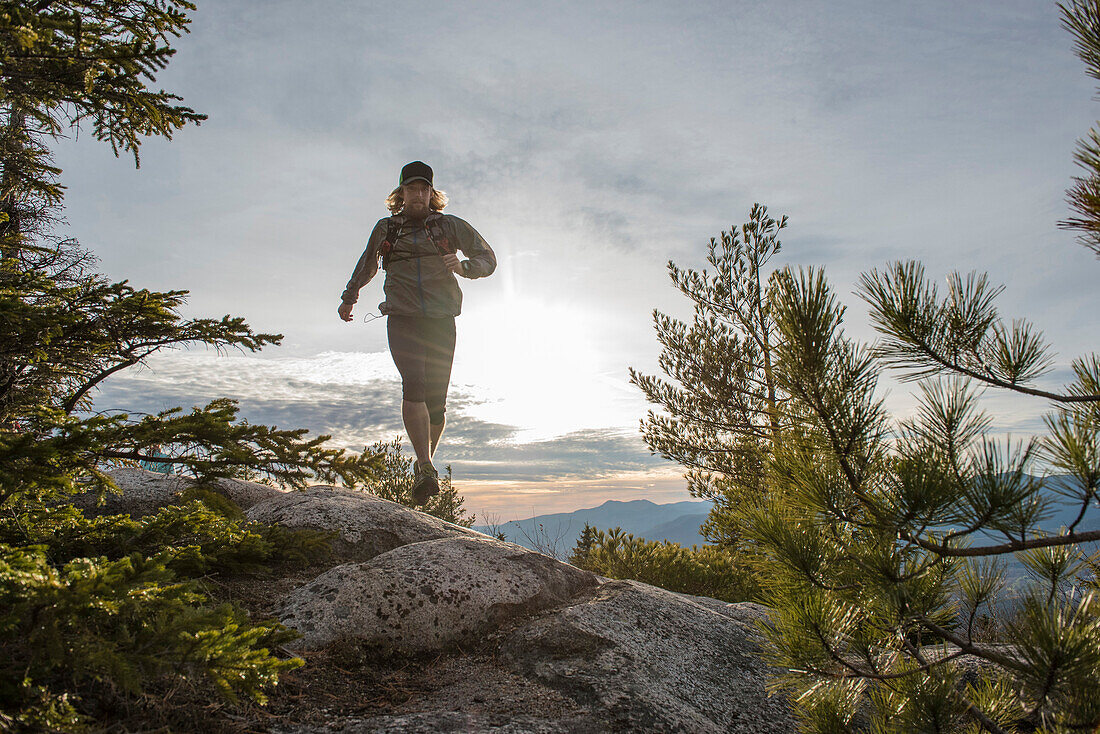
column 702, row 570
column 874, row 535
column 54, row 455
column 586, row 541
column 214, row 501
column 880, row 540
column 101, row 608
column 722, row 406
column 1082, row 18
column 90, row 60
column 963, row 332
column 126, row 621
column 107, row 599
column 87, row 330
column 393, row 480
column 199, row 540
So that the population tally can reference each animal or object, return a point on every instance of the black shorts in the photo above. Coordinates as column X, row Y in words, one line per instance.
column 423, row 349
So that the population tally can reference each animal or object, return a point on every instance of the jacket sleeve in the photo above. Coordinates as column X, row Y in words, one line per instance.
column 483, row 261
column 367, row 266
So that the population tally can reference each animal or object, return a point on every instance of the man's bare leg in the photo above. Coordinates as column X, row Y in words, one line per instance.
column 437, row 431
column 417, row 425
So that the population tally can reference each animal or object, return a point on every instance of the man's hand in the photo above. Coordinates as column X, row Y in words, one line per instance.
column 345, row 311
column 452, row 262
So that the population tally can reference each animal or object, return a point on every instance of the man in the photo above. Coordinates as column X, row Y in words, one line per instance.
column 418, row 247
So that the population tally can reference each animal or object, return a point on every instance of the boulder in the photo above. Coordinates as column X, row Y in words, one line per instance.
column 143, row 493
column 455, row 722
column 429, row 595
column 534, row 644
column 750, row 613
column 651, row 660
column 366, row 525
column 245, row 493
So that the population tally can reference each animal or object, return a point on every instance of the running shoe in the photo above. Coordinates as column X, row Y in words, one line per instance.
column 425, row 483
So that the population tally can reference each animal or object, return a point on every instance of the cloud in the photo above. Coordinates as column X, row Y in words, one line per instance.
column 356, row 399
column 589, row 454
column 612, row 139
column 590, row 142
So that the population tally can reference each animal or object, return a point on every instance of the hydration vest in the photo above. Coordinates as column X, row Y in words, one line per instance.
column 433, row 225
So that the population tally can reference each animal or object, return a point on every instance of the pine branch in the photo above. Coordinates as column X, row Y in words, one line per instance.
column 1012, row 546
column 965, row 646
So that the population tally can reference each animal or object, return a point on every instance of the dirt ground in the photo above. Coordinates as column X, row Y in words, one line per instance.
column 344, row 683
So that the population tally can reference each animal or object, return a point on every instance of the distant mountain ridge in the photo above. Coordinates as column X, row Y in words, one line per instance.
column 679, row 522
column 676, row 521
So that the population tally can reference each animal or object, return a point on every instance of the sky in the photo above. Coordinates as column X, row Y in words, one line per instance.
column 589, row 143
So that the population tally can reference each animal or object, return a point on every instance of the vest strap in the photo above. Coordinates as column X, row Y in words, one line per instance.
column 433, row 225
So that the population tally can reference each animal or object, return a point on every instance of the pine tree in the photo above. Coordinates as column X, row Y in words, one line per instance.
column 1081, row 18
column 884, row 542
column 723, row 407
column 707, row 570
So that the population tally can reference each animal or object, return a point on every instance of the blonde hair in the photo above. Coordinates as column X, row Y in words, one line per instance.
column 396, row 201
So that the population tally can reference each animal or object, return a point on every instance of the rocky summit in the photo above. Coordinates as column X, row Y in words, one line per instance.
column 518, row 641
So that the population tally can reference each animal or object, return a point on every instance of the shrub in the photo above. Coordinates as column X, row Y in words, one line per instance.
column 701, row 570
column 67, row 631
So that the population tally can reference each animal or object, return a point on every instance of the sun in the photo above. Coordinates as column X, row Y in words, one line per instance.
column 538, row 365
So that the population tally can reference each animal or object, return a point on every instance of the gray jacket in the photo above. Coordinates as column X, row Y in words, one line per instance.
column 420, row 285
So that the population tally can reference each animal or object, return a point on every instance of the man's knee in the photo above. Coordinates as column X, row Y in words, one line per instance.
column 413, row 392
column 436, row 414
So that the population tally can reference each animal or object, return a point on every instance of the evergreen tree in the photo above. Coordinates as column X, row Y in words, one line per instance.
column 883, row 542
column 65, row 328
column 586, row 541
column 723, row 407
column 1081, row 18
column 97, row 609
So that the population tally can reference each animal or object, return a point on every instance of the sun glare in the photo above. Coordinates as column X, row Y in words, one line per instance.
column 539, row 366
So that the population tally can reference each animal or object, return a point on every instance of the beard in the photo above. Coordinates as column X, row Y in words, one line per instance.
column 416, row 210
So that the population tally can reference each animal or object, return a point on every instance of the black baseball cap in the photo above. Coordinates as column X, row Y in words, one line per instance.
column 414, row 171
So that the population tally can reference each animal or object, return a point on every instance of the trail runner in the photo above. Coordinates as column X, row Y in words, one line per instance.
column 418, row 248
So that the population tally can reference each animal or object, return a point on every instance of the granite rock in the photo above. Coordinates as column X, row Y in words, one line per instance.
column 429, row 595
column 142, row 492
column 651, row 660
column 518, row 641
column 366, row 525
